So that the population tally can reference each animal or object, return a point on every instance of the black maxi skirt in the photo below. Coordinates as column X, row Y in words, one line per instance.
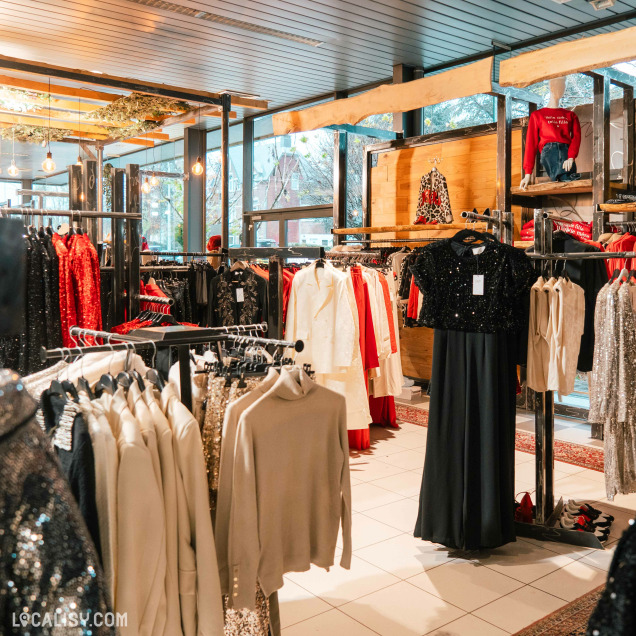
column 467, row 494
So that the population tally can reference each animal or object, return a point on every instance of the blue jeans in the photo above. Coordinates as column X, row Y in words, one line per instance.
column 552, row 157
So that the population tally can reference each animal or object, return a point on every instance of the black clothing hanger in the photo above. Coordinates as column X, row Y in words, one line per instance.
column 140, row 381
column 468, row 237
column 154, row 377
column 86, row 387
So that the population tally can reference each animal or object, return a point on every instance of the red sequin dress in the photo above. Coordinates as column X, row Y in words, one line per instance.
column 68, row 316
column 84, row 268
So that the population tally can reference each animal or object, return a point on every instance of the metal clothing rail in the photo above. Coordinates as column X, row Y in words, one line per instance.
column 501, row 220
column 558, row 219
column 155, row 299
column 581, row 256
column 297, row 345
column 72, row 214
column 151, row 253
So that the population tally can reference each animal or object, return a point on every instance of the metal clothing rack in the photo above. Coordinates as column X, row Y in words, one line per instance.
column 276, row 256
column 546, row 526
column 179, row 336
column 160, row 300
column 500, row 220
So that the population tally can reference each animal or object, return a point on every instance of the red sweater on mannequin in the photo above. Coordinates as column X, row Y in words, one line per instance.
column 551, row 125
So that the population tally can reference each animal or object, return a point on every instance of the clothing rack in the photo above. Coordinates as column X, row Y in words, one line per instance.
column 276, row 256
column 154, row 338
column 546, row 526
column 500, row 220
column 201, row 254
column 72, row 214
column 155, row 299
column 559, row 219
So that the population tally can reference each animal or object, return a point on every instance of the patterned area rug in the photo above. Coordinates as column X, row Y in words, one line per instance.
column 568, row 452
column 570, row 620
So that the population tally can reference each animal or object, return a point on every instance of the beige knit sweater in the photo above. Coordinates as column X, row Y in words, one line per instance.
column 291, row 486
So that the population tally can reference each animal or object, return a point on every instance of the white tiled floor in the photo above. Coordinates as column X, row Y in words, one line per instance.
column 400, row 586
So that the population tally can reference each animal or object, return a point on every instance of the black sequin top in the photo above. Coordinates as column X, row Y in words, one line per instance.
column 445, row 273
column 615, row 614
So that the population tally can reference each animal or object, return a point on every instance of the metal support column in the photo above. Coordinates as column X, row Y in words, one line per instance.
column 118, row 245
column 226, row 101
column 504, row 152
column 248, row 171
column 601, row 150
column 410, row 122
column 89, row 192
column 628, row 136
column 133, row 235
column 275, row 298
column 366, row 188
column 100, row 191
column 75, row 189
column 194, row 142
column 339, row 182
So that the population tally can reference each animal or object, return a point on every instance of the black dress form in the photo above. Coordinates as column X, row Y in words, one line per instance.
column 467, row 494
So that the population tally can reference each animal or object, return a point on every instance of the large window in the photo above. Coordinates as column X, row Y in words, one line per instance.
column 460, row 113
column 291, row 171
column 162, row 206
column 9, row 192
column 213, row 185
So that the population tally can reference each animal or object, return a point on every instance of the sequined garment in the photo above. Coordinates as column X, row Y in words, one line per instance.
column 84, row 266
column 444, row 272
column 237, row 622
column 47, row 561
column 615, row 614
column 613, row 387
column 68, row 316
column 225, row 308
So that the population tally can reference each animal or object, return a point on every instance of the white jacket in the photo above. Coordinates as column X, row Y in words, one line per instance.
column 322, row 313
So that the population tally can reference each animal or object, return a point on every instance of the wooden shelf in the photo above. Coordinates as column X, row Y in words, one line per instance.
column 554, row 187
column 618, row 208
column 379, row 229
column 523, row 244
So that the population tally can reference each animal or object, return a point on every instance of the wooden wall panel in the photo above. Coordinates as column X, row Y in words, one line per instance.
column 470, row 168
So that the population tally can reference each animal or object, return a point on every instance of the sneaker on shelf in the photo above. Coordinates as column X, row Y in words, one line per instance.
column 581, row 525
column 573, row 506
column 599, row 522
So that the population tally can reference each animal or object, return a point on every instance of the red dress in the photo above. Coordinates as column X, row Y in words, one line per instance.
column 84, row 268
column 68, row 317
column 360, row 439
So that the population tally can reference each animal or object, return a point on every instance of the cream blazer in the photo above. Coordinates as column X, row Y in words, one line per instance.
column 538, row 345
column 322, row 313
column 199, row 585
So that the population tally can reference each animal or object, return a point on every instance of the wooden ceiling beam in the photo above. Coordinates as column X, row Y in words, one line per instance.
column 159, row 136
column 566, row 58
column 464, row 81
column 56, row 89
column 64, row 116
column 135, row 141
column 191, row 116
column 23, row 120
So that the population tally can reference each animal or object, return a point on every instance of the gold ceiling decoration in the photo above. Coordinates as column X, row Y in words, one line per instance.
column 33, row 134
column 137, row 107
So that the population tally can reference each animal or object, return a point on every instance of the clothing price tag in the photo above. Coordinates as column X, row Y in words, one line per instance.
column 240, row 296
column 478, row 285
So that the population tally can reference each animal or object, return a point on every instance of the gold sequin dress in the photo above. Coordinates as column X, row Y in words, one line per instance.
column 241, row 622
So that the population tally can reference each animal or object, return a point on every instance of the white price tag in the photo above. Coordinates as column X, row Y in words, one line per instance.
column 240, row 296
column 478, row 285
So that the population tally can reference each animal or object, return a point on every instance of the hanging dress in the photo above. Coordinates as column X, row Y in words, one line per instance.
column 467, row 494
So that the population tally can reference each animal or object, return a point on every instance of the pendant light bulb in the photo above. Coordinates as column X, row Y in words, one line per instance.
column 197, row 168
column 154, row 181
column 145, row 186
column 13, row 169
column 48, row 165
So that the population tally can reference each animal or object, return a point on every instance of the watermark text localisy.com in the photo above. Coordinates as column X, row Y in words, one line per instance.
column 70, row 619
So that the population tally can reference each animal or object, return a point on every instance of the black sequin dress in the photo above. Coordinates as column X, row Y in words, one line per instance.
column 467, row 494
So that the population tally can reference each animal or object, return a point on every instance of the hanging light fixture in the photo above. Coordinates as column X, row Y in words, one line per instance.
column 154, row 180
column 197, row 168
column 145, row 186
column 48, row 165
column 13, row 169
column 79, row 129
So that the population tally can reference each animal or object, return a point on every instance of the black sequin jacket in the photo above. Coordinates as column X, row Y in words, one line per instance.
column 48, row 564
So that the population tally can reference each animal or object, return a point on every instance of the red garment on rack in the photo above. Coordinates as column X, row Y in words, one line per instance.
column 68, row 316
column 389, row 310
column 414, row 298
column 360, row 439
column 84, row 268
column 383, row 410
column 624, row 244
column 152, row 289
